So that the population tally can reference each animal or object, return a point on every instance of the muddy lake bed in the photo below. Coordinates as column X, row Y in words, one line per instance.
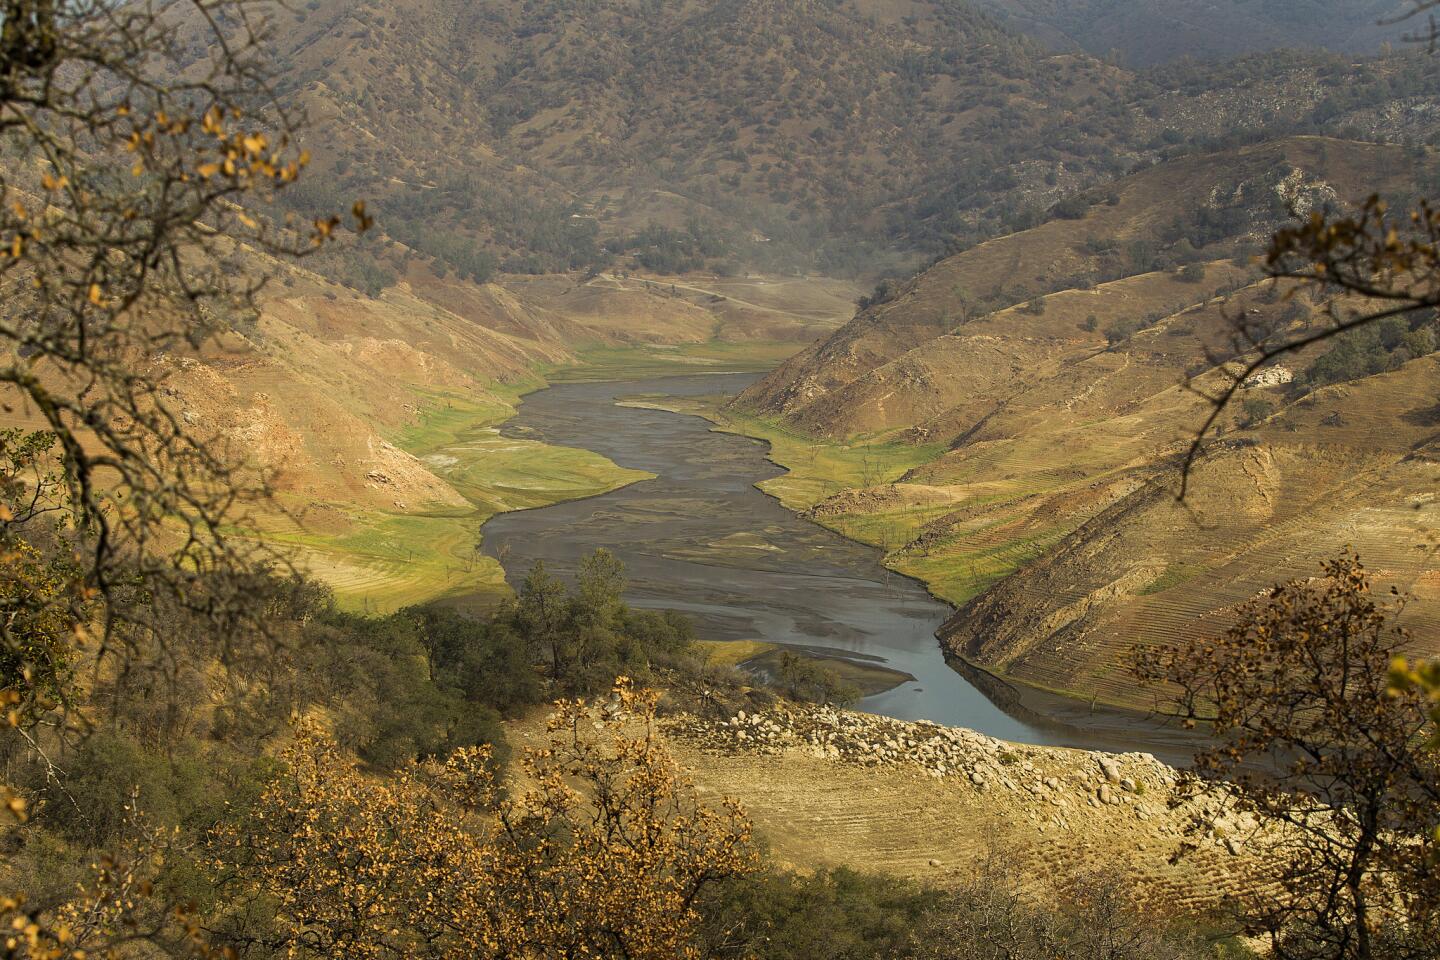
column 700, row 539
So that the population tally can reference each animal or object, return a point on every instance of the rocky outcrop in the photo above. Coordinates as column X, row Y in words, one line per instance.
column 1269, row 377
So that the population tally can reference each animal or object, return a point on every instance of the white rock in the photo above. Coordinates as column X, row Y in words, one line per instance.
column 1269, row 377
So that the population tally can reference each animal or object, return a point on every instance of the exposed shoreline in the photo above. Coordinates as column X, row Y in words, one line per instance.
column 685, row 569
column 1068, row 714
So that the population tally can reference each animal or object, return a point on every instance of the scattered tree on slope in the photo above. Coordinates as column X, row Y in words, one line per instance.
column 1301, row 689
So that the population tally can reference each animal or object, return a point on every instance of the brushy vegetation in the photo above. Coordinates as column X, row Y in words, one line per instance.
column 846, row 915
column 1304, row 684
column 1372, row 349
column 344, row 796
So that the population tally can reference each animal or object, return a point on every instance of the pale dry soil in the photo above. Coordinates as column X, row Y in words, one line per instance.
column 837, row 788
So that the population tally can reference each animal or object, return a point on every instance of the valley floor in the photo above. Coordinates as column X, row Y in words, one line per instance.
column 381, row 560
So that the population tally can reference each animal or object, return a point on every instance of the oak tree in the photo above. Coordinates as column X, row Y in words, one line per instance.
column 1330, row 755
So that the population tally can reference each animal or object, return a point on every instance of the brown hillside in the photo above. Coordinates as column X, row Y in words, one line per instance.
column 1064, row 415
column 1239, row 197
column 1068, row 542
column 1149, row 569
column 545, row 135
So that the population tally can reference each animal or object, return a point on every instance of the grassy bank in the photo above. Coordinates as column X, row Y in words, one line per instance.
column 819, row 469
column 816, row 470
column 383, row 560
column 379, row 560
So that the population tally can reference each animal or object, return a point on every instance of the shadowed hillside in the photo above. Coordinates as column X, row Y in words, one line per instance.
column 547, row 136
column 1157, row 32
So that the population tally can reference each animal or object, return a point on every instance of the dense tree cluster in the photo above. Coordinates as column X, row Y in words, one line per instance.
column 669, row 251
column 1372, row 349
column 604, row 856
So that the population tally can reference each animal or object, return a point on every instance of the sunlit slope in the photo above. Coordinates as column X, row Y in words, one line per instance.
column 1044, row 436
column 1204, row 208
column 1261, row 509
column 1055, row 523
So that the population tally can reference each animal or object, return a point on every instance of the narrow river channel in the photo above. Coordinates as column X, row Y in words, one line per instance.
column 701, row 539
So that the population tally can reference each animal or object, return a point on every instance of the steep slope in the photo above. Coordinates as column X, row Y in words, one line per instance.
column 1196, row 208
column 1045, row 435
column 337, row 373
column 1064, row 543
column 1266, row 508
column 544, row 135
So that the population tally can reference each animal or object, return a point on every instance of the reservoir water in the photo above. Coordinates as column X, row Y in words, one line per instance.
column 700, row 538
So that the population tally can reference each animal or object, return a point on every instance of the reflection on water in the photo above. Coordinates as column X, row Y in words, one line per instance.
column 701, row 539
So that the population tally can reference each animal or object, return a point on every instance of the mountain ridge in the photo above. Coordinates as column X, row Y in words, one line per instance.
column 1163, row 31
column 545, row 137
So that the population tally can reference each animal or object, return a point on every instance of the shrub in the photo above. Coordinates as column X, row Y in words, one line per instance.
column 435, row 864
column 832, row 914
column 1071, row 208
column 1255, row 409
column 1121, row 331
column 803, row 678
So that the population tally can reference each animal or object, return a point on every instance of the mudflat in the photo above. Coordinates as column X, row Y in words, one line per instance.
column 701, row 539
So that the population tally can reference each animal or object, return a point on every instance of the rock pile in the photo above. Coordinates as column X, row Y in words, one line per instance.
column 938, row 751
column 1269, row 377
column 1048, row 786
